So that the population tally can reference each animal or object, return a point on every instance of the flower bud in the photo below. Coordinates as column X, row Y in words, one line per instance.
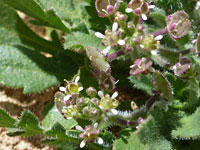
column 106, row 8
column 106, row 82
column 141, row 66
column 92, row 92
column 182, row 66
column 149, row 43
column 86, row 111
column 79, row 102
column 178, row 24
column 95, row 101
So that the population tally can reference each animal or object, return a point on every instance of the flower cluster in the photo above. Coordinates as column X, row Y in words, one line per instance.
column 72, row 105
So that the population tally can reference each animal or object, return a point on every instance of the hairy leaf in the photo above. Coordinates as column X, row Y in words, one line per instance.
column 33, row 9
column 53, row 116
column 6, row 120
column 162, row 85
column 30, row 124
column 82, row 40
column 21, row 64
column 146, row 138
column 188, row 127
column 144, row 83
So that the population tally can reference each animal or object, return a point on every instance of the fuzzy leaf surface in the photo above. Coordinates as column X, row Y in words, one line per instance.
column 144, row 83
column 21, row 64
column 6, row 120
column 188, row 127
column 33, row 9
column 146, row 138
column 82, row 40
column 30, row 124
column 53, row 116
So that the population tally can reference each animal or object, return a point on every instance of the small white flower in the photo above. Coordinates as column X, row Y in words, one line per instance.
column 66, row 98
column 114, row 95
column 77, row 79
column 144, row 17
column 99, row 35
column 79, row 128
column 106, row 50
column 100, row 93
column 154, row 52
column 114, row 27
column 129, row 10
column 63, row 89
column 82, row 143
column 158, row 38
column 96, row 125
column 141, row 46
column 151, row 6
column 80, row 89
column 114, row 111
column 100, row 141
column 121, row 42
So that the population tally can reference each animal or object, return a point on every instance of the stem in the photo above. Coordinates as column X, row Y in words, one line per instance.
column 160, row 32
column 141, row 21
column 127, row 122
column 152, row 100
column 116, row 54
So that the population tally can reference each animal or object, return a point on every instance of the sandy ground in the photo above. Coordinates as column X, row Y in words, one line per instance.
column 14, row 102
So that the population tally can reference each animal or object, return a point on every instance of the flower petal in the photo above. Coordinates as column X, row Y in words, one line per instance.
column 158, row 38
column 100, row 93
column 67, row 97
column 114, row 27
column 99, row 35
column 114, row 95
column 63, row 89
column 82, row 143
column 129, row 10
column 144, row 17
column 114, row 111
column 79, row 128
column 121, row 42
column 100, row 141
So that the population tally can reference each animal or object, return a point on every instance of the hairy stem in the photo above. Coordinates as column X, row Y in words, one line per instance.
column 116, row 55
column 160, row 32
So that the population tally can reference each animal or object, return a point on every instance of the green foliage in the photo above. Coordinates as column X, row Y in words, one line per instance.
column 144, row 83
column 82, row 40
column 162, row 85
column 33, row 9
column 6, row 120
column 74, row 53
column 21, row 65
column 188, row 127
column 53, row 116
column 147, row 137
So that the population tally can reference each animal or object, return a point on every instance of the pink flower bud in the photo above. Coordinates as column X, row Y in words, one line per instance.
column 110, row 9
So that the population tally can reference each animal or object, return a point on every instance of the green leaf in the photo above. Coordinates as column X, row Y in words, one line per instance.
column 6, row 120
column 54, row 116
column 144, row 83
column 159, row 17
column 188, row 127
column 146, row 138
column 24, row 68
column 82, row 40
column 33, row 9
column 98, row 60
column 66, row 9
column 30, row 124
column 21, row 64
column 162, row 85
column 87, row 79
